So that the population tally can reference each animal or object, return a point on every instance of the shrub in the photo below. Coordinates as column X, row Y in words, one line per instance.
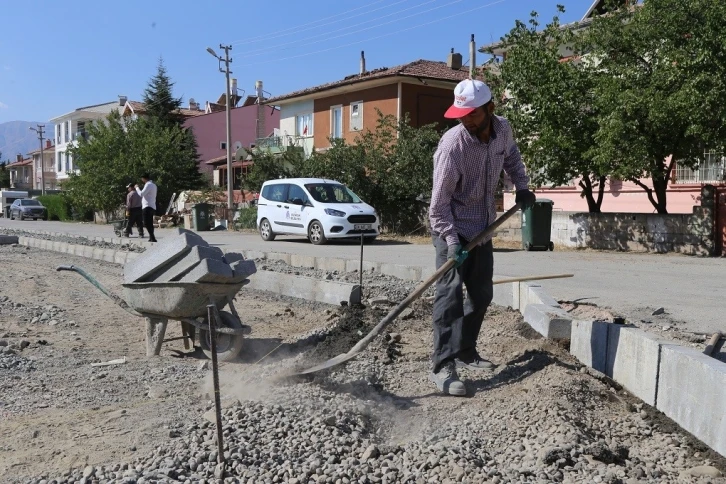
column 247, row 218
column 57, row 206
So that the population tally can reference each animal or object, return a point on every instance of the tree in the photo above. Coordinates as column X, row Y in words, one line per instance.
column 118, row 152
column 267, row 166
column 389, row 167
column 159, row 99
column 662, row 100
column 551, row 106
column 4, row 173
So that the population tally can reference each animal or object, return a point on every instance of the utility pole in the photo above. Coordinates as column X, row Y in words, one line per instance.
column 227, row 61
column 472, row 57
column 40, row 132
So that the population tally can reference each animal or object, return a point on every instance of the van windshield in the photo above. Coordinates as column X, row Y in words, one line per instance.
column 331, row 193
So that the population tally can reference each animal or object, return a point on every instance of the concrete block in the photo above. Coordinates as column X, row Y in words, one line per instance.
column 196, row 254
column 406, row 273
column 330, row 264
column 692, row 392
column 537, row 295
column 243, row 269
column 550, row 322
column 162, row 254
column 298, row 260
column 8, row 239
column 88, row 251
column 109, row 255
column 281, row 256
column 254, row 254
column 210, row 270
column 504, row 294
column 97, row 253
column 329, row 292
column 230, row 257
column 632, row 361
column 589, row 342
column 120, row 257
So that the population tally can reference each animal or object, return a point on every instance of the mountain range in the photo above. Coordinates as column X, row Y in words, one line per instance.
column 16, row 138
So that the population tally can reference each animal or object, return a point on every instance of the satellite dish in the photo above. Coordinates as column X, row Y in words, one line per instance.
column 237, row 145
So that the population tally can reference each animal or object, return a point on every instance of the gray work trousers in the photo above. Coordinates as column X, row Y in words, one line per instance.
column 457, row 323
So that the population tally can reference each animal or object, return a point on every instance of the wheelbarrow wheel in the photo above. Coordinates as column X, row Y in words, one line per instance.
column 229, row 346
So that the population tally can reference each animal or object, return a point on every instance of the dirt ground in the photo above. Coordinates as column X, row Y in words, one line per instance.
column 60, row 416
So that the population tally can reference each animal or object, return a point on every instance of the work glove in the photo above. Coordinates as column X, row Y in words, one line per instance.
column 458, row 254
column 525, row 198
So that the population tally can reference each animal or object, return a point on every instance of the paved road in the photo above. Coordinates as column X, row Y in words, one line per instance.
column 688, row 288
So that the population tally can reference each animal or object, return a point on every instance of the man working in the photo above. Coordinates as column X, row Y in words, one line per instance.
column 148, row 204
column 133, row 211
column 468, row 164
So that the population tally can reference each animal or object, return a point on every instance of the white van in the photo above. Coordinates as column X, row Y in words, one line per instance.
column 317, row 208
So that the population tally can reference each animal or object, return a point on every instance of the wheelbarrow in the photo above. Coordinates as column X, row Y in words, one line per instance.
column 119, row 226
column 187, row 303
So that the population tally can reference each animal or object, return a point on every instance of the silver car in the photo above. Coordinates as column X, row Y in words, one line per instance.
column 27, row 208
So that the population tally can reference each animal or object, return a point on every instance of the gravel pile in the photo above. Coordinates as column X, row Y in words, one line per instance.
column 11, row 361
column 70, row 239
column 36, row 314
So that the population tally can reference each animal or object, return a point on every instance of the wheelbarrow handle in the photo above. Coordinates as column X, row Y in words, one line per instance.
column 120, row 302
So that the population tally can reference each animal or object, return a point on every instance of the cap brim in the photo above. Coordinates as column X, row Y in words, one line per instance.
column 455, row 112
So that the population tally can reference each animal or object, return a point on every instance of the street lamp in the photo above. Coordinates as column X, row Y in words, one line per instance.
column 227, row 60
column 40, row 132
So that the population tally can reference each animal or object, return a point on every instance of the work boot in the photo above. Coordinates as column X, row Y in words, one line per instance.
column 476, row 363
column 447, row 380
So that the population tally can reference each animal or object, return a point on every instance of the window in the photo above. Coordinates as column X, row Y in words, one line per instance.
column 68, row 163
column 275, row 193
column 711, row 169
column 59, row 156
column 57, row 134
column 336, row 122
column 331, row 193
column 356, row 116
column 66, row 130
column 296, row 193
column 222, row 145
column 304, row 125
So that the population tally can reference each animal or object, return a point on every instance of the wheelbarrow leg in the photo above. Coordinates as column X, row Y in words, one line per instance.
column 155, row 331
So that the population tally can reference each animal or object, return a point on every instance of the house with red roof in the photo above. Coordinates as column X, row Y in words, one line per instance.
column 311, row 116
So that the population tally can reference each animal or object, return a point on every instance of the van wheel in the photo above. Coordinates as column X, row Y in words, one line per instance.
column 316, row 233
column 266, row 230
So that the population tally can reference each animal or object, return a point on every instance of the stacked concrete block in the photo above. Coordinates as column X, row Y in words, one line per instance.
column 186, row 257
column 188, row 262
column 162, row 255
column 589, row 343
column 632, row 360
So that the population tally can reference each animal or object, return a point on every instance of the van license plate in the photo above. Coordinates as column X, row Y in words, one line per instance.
column 362, row 227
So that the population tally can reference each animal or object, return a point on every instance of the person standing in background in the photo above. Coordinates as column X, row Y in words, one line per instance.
column 148, row 204
column 134, row 211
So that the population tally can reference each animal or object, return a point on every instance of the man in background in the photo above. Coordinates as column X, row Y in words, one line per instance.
column 148, row 204
column 133, row 211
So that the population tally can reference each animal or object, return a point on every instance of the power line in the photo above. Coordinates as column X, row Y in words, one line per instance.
column 376, row 37
column 265, row 50
column 297, row 29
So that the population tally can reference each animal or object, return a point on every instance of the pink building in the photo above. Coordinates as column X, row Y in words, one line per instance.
column 210, row 130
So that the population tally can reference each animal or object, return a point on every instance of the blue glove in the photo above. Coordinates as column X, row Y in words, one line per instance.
column 458, row 254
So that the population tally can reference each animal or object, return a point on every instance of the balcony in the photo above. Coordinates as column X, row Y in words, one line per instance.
column 275, row 144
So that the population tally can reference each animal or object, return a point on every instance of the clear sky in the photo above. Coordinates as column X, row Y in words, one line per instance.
column 58, row 56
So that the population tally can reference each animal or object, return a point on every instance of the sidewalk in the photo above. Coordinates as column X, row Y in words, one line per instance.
column 633, row 284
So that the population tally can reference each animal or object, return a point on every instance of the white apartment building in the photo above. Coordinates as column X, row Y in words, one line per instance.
column 70, row 127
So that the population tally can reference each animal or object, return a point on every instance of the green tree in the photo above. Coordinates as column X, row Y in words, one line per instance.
column 118, row 152
column 389, row 167
column 662, row 100
column 159, row 99
column 551, row 106
column 4, row 173
column 267, row 166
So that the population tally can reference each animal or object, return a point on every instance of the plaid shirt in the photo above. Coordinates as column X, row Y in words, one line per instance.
column 466, row 174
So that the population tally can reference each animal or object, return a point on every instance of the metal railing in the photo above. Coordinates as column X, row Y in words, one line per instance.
column 711, row 170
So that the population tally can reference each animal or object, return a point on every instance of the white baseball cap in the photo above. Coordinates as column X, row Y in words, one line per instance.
column 469, row 94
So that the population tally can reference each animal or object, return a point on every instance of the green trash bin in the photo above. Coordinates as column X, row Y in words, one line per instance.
column 537, row 226
column 201, row 215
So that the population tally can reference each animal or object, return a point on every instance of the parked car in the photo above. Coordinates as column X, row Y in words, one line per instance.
column 28, row 208
column 317, row 208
